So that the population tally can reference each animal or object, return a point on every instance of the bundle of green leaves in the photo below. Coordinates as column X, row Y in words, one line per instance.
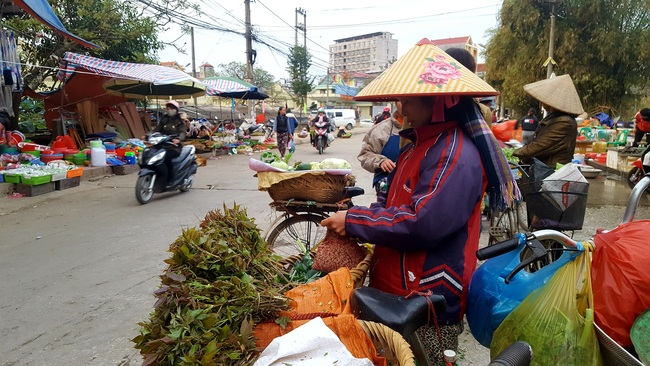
column 221, row 280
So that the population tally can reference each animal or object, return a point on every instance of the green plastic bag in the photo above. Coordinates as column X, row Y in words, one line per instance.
column 557, row 320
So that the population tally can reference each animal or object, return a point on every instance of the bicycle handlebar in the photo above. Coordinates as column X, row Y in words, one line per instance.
column 498, row 248
column 517, row 354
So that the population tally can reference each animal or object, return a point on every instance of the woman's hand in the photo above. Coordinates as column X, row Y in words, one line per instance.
column 387, row 165
column 176, row 141
column 336, row 222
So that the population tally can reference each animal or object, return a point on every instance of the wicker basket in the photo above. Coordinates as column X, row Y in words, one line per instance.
column 389, row 344
column 358, row 273
column 325, row 188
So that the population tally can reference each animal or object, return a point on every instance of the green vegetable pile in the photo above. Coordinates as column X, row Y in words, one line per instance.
column 508, row 151
column 221, row 279
column 302, row 271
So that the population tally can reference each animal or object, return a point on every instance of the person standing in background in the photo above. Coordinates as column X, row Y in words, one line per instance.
column 642, row 126
column 380, row 149
column 281, row 129
column 528, row 125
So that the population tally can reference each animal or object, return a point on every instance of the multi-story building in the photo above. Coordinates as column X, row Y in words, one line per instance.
column 368, row 53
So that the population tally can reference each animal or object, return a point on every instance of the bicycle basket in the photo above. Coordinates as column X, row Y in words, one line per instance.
column 325, row 188
column 556, row 204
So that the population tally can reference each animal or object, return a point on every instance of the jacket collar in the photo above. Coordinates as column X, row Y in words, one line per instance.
column 427, row 132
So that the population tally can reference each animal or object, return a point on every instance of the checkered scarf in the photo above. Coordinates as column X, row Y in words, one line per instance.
column 502, row 187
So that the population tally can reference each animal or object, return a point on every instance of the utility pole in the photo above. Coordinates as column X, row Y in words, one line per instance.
column 196, row 108
column 327, row 98
column 250, row 53
column 301, row 26
column 551, row 43
column 249, row 43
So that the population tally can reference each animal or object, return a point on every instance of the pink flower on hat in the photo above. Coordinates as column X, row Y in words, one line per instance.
column 439, row 71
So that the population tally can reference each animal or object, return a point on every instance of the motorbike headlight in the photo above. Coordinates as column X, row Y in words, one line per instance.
column 157, row 158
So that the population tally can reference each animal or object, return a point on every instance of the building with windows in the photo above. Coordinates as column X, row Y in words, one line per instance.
column 368, row 53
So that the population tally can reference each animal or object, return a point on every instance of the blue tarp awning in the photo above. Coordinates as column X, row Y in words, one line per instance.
column 41, row 10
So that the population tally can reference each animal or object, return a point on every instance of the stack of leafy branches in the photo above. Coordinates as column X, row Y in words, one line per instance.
column 221, row 280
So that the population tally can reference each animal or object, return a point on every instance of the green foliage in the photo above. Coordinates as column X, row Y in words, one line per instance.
column 124, row 32
column 221, row 279
column 31, row 115
column 261, row 78
column 298, row 66
column 601, row 44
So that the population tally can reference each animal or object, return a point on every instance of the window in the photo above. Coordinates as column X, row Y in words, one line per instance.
column 345, row 47
column 339, row 114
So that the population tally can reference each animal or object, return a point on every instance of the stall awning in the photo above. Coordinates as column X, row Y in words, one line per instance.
column 41, row 10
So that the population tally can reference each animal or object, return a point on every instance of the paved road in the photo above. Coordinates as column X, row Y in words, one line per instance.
column 78, row 267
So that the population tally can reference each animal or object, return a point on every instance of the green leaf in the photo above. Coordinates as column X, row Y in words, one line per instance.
column 283, row 321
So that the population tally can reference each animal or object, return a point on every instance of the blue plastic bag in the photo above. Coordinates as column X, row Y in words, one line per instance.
column 490, row 300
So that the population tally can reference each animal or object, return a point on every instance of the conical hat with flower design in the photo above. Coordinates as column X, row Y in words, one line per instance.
column 425, row 70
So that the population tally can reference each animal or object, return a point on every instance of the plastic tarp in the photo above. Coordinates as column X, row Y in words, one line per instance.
column 134, row 80
column 41, row 10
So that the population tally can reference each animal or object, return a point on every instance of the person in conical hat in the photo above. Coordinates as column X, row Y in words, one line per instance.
column 554, row 140
column 426, row 228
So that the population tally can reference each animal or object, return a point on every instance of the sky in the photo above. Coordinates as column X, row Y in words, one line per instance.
column 408, row 20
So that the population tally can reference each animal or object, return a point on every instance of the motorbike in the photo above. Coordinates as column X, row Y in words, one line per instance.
column 638, row 170
column 153, row 176
column 321, row 132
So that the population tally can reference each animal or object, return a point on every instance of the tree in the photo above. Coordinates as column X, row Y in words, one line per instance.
column 602, row 44
column 261, row 78
column 124, row 33
column 298, row 66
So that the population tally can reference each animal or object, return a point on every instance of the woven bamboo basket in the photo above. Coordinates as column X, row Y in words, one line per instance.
column 389, row 344
column 358, row 273
column 326, row 188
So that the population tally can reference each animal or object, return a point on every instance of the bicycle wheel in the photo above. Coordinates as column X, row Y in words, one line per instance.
column 284, row 237
column 503, row 225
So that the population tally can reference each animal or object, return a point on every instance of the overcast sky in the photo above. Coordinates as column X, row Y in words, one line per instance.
column 408, row 20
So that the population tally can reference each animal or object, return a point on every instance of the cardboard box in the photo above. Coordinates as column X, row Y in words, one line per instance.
column 67, row 183
column 32, row 191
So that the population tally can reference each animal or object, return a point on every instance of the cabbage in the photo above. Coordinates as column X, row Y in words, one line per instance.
column 315, row 165
column 334, row 163
column 280, row 165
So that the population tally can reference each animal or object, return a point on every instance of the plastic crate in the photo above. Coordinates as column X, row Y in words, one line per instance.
column 13, row 178
column 59, row 176
column 557, row 209
column 36, row 181
column 75, row 173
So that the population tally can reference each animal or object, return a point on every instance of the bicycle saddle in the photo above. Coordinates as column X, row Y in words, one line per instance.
column 396, row 312
column 350, row 192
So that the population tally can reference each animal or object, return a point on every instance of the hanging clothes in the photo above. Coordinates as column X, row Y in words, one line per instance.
column 11, row 73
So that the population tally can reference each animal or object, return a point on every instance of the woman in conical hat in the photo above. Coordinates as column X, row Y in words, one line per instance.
column 555, row 138
column 426, row 228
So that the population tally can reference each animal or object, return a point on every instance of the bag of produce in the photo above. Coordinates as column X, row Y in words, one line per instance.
column 621, row 279
column 557, row 320
column 336, row 251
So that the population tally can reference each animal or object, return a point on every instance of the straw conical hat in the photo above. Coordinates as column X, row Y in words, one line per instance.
column 425, row 70
column 558, row 93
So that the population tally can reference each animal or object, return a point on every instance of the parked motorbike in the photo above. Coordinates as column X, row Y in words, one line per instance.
column 638, row 170
column 154, row 177
column 321, row 132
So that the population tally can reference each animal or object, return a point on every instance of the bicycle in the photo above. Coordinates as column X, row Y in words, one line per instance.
column 539, row 253
column 406, row 314
column 298, row 229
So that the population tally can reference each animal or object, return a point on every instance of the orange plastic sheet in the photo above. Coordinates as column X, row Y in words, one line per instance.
column 329, row 298
column 620, row 277
column 504, row 131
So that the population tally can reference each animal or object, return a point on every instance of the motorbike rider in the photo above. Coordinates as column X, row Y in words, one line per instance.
column 172, row 124
column 321, row 117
